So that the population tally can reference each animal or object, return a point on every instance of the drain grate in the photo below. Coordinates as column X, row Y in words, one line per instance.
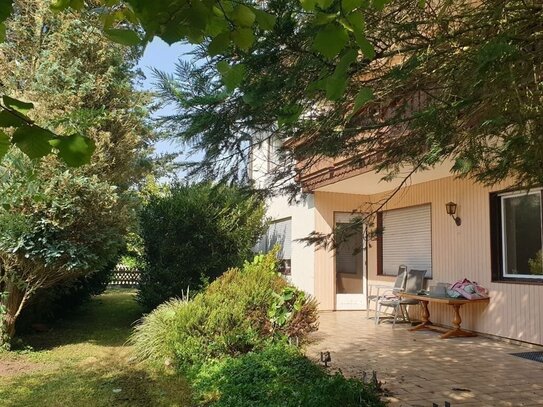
column 535, row 356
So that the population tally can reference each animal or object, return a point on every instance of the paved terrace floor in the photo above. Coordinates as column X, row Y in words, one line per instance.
column 418, row 368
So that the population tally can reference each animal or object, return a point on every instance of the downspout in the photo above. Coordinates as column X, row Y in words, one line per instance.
column 366, row 271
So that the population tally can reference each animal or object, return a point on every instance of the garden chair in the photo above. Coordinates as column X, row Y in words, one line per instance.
column 414, row 283
column 399, row 285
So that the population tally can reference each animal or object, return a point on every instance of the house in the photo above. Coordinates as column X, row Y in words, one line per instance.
column 497, row 241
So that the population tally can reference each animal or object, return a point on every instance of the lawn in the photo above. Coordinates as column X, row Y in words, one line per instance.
column 85, row 361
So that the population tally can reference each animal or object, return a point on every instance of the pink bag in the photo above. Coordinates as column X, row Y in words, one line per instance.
column 467, row 289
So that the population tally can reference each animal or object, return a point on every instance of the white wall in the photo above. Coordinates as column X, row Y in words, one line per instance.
column 301, row 212
column 260, row 154
column 302, row 215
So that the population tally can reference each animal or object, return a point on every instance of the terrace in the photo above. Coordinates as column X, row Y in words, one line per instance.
column 418, row 368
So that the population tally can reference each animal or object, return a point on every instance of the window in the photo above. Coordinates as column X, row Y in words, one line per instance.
column 517, row 236
column 406, row 238
column 279, row 232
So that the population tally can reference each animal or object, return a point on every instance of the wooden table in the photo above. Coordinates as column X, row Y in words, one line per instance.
column 456, row 303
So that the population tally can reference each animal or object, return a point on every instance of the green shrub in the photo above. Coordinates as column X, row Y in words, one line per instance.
column 279, row 376
column 192, row 235
column 234, row 315
column 55, row 226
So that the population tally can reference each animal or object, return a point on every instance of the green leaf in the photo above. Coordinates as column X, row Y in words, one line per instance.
column 346, row 61
column 421, row 3
column 75, row 150
column 219, row 44
column 266, row 21
column 335, row 86
column 380, row 4
column 243, row 38
column 8, row 119
column 77, row 4
column 243, row 15
column 6, row 8
column 350, row 5
column 324, row 4
column 365, row 46
column 33, row 140
column 357, row 22
column 4, row 144
column 364, row 96
column 227, row 6
column 217, row 25
column 122, row 36
column 232, row 76
column 323, row 18
column 308, row 5
column 331, row 40
column 17, row 105
column 223, row 67
column 197, row 16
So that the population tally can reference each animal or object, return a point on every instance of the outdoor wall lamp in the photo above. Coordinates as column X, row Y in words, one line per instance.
column 451, row 210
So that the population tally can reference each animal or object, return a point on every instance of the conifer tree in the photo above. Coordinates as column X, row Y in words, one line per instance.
column 59, row 223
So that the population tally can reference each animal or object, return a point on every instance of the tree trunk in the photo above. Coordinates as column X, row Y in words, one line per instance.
column 12, row 304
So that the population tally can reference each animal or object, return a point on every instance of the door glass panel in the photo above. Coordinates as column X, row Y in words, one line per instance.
column 349, row 265
column 522, row 234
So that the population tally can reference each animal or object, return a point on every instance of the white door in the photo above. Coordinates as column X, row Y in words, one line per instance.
column 350, row 267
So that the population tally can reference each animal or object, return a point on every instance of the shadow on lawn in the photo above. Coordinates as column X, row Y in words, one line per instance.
column 96, row 388
column 106, row 320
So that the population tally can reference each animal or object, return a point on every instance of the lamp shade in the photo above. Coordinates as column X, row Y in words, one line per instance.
column 451, row 208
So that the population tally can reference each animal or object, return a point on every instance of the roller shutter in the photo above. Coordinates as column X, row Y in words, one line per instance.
column 407, row 239
column 280, row 232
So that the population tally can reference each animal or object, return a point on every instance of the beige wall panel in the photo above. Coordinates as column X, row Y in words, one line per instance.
column 514, row 311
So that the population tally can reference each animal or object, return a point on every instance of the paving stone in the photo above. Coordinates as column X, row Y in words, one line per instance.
column 419, row 368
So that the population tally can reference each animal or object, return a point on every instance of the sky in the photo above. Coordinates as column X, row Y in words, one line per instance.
column 161, row 56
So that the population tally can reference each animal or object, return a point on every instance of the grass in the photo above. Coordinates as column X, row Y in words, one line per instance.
column 84, row 360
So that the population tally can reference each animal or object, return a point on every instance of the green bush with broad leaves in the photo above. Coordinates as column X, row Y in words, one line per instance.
column 192, row 234
column 55, row 226
column 234, row 315
column 278, row 376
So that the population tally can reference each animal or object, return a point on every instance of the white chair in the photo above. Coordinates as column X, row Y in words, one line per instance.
column 414, row 282
column 381, row 289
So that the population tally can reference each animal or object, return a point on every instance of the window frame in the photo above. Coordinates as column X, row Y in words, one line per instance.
column 498, row 242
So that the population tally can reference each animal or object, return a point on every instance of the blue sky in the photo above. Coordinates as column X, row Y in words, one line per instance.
column 161, row 56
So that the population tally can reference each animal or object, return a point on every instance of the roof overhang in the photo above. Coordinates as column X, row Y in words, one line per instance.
column 367, row 181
